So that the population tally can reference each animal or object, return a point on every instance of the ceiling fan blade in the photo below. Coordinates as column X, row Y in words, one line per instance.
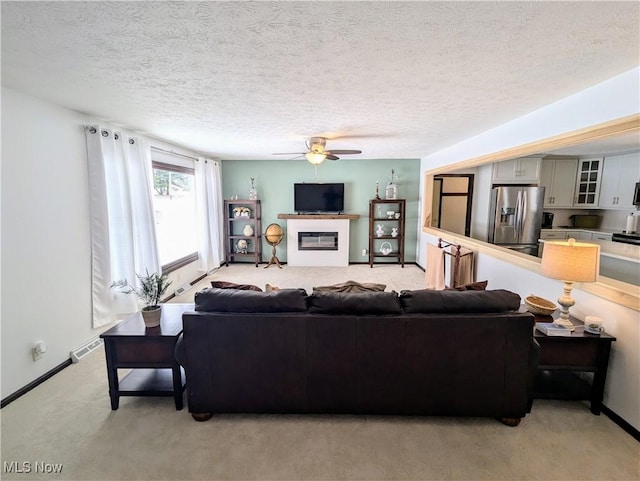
column 330, row 156
column 346, row 152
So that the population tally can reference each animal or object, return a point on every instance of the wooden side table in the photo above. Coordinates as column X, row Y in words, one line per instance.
column 149, row 353
column 565, row 360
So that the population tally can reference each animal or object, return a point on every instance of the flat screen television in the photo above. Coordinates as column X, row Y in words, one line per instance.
column 316, row 198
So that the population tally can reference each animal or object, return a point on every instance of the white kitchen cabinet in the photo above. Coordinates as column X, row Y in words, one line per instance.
column 573, row 234
column 601, row 236
column 558, row 176
column 588, row 182
column 553, row 235
column 524, row 170
column 619, row 176
column 578, row 235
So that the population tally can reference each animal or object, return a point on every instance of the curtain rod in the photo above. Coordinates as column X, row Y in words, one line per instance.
column 173, row 153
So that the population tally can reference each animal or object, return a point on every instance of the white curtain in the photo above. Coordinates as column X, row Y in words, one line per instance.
column 123, row 238
column 209, row 211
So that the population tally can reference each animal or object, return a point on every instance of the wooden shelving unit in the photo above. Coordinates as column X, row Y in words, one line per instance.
column 378, row 209
column 233, row 231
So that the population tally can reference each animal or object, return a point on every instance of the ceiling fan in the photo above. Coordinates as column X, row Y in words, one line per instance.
column 316, row 153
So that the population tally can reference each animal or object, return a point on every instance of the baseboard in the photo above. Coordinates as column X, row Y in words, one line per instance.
column 20, row 392
column 192, row 283
column 621, row 422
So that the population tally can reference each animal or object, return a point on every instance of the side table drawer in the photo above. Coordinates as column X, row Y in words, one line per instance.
column 568, row 353
column 147, row 351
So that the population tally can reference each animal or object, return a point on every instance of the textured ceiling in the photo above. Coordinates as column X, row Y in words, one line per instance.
column 240, row 80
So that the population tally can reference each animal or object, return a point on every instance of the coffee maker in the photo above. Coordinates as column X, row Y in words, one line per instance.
column 547, row 220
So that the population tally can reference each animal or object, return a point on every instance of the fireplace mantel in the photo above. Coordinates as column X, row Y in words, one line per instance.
column 319, row 216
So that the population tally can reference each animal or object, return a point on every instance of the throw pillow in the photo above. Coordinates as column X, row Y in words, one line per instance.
column 233, row 285
column 473, row 286
column 354, row 303
column 352, row 286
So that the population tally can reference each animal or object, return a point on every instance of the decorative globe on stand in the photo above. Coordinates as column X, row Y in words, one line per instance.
column 273, row 235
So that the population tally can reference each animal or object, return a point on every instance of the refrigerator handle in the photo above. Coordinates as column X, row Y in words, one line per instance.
column 523, row 215
column 518, row 222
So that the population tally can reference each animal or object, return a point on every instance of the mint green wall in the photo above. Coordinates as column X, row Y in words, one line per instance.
column 275, row 179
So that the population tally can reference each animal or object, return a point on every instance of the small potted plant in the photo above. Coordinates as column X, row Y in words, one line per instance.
column 152, row 288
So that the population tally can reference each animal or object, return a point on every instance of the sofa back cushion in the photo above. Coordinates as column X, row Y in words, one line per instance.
column 358, row 303
column 233, row 300
column 428, row 301
column 351, row 286
column 233, row 285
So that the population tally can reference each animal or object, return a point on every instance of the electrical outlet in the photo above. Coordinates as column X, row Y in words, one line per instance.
column 38, row 350
column 364, row 252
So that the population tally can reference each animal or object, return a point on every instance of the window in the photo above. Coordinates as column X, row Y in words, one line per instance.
column 174, row 202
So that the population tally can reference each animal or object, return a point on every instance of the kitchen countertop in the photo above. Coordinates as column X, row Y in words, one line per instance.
column 585, row 229
column 616, row 250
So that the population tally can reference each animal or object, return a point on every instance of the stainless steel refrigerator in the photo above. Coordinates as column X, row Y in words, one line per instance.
column 515, row 217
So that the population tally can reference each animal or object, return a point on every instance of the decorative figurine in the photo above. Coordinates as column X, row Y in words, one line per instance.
column 253, row 193
column 379, row 230
column 394, row 232
column 391, row 192
column 377, row 190
column 241, row 246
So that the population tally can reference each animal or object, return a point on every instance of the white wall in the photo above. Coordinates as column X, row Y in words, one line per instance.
column 45, row 237
column 46, row 269
column 616, row 98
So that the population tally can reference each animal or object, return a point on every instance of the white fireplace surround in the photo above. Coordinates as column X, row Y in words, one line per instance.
column 297, row 257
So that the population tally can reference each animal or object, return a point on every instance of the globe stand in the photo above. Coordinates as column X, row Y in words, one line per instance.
column 273, row 235
column 274, row 259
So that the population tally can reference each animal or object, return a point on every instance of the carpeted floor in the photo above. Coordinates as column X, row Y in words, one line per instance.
column 67, row 421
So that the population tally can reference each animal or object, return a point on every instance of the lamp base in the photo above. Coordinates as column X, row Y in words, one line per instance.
column 566, row 301
column 566, row 323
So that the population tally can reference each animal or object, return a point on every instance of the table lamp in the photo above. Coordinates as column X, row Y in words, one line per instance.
column 570, row 261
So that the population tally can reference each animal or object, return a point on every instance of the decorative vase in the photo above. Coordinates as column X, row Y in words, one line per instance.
column 391, row 192
column 379, row 230
column 151, row 317
column 247, row 231
column 253, row 193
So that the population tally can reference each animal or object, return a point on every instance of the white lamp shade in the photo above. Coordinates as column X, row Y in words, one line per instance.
column 315, row 157
column 571, row 261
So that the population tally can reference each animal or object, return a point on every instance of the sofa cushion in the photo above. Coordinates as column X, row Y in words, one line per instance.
column 351, row 286
column 234, row 300
column 472, row 286
column 233, row 285
column 354, row 303
column 428, row 301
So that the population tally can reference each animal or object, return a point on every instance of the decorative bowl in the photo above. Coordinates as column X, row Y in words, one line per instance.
column 539, row 305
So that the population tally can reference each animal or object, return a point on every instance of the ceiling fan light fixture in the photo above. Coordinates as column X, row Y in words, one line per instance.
column 315, row 158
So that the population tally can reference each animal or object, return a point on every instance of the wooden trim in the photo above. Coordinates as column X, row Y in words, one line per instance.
column 192, row 283
column 319, row 216
column 178, row 263
column 635, row 434
column 172, row 167
column 622, row 293
column 612, row 128
column 35, row 383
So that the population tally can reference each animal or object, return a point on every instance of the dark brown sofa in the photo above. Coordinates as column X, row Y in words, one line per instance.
column 452, row 353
